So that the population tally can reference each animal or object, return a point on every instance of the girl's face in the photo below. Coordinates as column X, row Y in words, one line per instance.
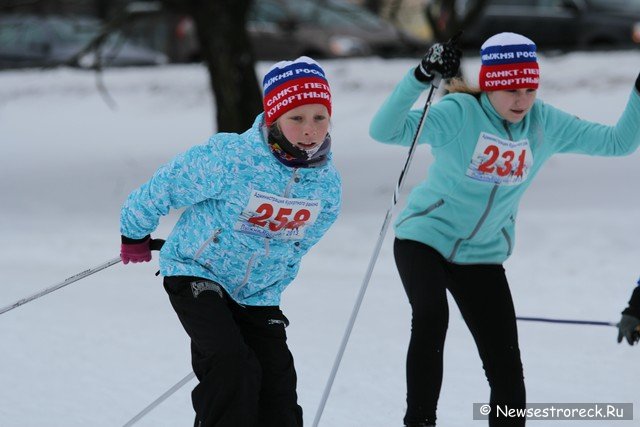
column 305, row 126
column 512, row 105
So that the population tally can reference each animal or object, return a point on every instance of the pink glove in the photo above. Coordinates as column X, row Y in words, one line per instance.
column 135, row 250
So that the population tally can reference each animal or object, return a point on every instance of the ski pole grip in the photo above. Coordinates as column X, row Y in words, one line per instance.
column 156, row 244
column 437, row 79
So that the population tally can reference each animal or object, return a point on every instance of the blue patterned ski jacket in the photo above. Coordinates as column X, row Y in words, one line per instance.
column 248, row 221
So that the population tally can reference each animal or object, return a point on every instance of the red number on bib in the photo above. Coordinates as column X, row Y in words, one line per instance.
column 266, row 210
column 508, row 156
column 299, row 218
column 487, row 167
column 281, row 218
column 521, row 159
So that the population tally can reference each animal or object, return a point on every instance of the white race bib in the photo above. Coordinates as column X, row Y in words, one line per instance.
column 500, row 161
column 277, row 217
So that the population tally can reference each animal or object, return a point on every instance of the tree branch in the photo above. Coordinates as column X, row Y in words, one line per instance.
column 122, row 17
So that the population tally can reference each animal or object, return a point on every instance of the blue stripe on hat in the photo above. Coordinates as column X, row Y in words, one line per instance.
column 278, row 76
column 508, row 54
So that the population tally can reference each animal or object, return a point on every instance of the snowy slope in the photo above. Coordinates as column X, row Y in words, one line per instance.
column 100, row 350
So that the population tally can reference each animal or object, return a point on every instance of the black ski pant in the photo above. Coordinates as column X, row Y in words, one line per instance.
column 239, row 355
column 482, row 294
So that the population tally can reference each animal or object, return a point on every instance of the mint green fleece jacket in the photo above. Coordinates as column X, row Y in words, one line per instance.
column 467, row 206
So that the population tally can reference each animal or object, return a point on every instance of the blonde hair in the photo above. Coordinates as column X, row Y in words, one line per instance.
column 458, row 85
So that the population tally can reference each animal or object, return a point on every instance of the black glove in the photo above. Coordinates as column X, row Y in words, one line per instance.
column 629, row 325
column 629, row 328
column 442, row 59
column 638, row 83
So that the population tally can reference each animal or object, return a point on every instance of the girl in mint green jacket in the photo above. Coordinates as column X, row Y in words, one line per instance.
column 458, row 226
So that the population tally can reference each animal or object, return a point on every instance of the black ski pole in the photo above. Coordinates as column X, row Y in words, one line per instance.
column 567, row 321
column 156, row 245
column 376, row 252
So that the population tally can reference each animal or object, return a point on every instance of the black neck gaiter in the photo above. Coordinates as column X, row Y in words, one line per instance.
column 292, row 156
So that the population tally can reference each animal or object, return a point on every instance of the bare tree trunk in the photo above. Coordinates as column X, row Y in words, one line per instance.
column 226, row 49
column 227, row 52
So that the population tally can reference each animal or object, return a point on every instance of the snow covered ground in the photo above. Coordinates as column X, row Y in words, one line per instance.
column 98, row 351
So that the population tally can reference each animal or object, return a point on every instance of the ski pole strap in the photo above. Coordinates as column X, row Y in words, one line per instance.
column 155, row 245
column 567, row 321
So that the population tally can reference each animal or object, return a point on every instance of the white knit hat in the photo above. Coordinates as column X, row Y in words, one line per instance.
column 509, row 61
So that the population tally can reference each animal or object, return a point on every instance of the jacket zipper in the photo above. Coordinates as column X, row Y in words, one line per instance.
column 245, row 279
column 427, row 211
column 508, row 239
column 213, row 238
column 294, row 178
column 481, row 221
column 484, row 216
column 505, row 123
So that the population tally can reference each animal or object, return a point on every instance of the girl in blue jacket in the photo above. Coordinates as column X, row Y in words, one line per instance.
column 255, row 203
column 458, row 226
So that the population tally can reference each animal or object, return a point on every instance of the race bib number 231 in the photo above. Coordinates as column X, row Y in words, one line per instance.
column 273, row 216
column 500, row 161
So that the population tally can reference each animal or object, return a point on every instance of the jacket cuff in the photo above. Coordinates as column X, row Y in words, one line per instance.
column 128, row 241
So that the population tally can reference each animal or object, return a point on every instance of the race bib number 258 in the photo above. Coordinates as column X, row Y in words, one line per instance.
column 273, row 216
column 500, row 161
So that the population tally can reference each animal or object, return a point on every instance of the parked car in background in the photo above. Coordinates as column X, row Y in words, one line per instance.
column 324, row 29
column 36, row 41
column 286, row 29
column 562, row 24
